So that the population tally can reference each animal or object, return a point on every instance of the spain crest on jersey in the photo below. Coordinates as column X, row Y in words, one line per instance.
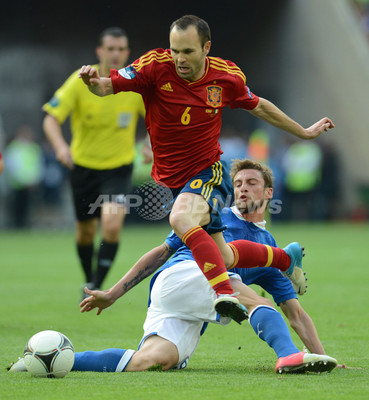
column 214, row 96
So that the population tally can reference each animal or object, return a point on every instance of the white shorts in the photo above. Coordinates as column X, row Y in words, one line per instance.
column 181, row 301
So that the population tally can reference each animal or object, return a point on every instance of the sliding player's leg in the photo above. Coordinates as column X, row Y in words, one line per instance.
column 107, row 360
column 154, row 352
column 270, row 327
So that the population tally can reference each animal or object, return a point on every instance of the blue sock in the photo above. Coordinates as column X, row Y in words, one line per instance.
column 109, row 360
column 269, row 325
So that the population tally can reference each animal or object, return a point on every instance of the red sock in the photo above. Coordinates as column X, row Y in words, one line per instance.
column 250, row 255
column 208, row 258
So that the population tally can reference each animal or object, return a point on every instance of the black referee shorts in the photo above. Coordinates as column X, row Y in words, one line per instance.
column 91, row 188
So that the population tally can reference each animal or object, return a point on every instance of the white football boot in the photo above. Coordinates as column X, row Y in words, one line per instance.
column 305, row 362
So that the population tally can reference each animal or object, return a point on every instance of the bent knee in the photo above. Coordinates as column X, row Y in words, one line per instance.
column 176, row 219
column 147, row 360
column 181, row 222
column 189, row 210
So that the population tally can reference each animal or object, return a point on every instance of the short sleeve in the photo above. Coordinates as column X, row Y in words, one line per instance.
column 245, row 99
column 64, row 100
column 173, row 241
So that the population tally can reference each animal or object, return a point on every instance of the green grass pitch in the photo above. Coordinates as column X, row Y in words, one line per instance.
column 40, row 289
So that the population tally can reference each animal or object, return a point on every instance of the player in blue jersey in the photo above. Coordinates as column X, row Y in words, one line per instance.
column 176, row 317
column 253, row 188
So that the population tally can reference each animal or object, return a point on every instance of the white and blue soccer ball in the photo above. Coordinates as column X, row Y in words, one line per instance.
column 49, row 354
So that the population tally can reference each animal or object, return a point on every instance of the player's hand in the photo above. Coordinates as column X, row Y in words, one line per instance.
column 318, row 128
column 97, row 85
column 98, row 299
column 89, row 75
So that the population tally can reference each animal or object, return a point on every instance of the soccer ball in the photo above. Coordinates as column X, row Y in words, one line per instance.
column 49, row 354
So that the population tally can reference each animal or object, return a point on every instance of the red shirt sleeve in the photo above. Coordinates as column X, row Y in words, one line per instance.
column 246, row 99
column 126, row 80
column 139, row 76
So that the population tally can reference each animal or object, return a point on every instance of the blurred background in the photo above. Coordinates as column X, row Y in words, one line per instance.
column 309, row 57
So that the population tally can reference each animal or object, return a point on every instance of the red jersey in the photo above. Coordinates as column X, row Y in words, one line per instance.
column 183, row 118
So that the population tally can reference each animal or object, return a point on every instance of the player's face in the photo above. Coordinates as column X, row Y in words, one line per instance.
column 114, row 52
column 250, row 194
column 187, row 52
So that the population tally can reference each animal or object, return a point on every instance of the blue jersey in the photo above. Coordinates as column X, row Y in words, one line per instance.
column 270, row 279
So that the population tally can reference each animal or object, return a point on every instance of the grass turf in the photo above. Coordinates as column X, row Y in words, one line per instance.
column 40, row 289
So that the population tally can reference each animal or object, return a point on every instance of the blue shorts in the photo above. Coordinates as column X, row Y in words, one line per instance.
column 215, row 186
column 270, row 279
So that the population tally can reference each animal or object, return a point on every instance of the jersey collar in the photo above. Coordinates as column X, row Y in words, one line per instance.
column 237, row 213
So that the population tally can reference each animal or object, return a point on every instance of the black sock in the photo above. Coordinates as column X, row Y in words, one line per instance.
column 85, row 254
column 105, row 258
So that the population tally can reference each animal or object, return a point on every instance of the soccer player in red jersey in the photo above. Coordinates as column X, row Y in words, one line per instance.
column 185, row 91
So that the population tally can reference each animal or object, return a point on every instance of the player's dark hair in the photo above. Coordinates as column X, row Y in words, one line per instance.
column 201, row 26
column 239, row 165
column 112, row 31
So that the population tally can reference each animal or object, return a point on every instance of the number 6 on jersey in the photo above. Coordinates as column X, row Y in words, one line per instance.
column 186, row 117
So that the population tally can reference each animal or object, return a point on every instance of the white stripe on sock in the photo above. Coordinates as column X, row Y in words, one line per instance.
column 256, row 308
column 126, row 358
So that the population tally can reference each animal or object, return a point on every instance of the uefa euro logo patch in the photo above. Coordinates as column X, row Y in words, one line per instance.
column 214, row 97
column 128, row 72
column 54, row 102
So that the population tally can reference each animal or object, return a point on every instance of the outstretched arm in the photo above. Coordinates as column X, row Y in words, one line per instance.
column 144, row 267
column 96, row 84
column 270, row 113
